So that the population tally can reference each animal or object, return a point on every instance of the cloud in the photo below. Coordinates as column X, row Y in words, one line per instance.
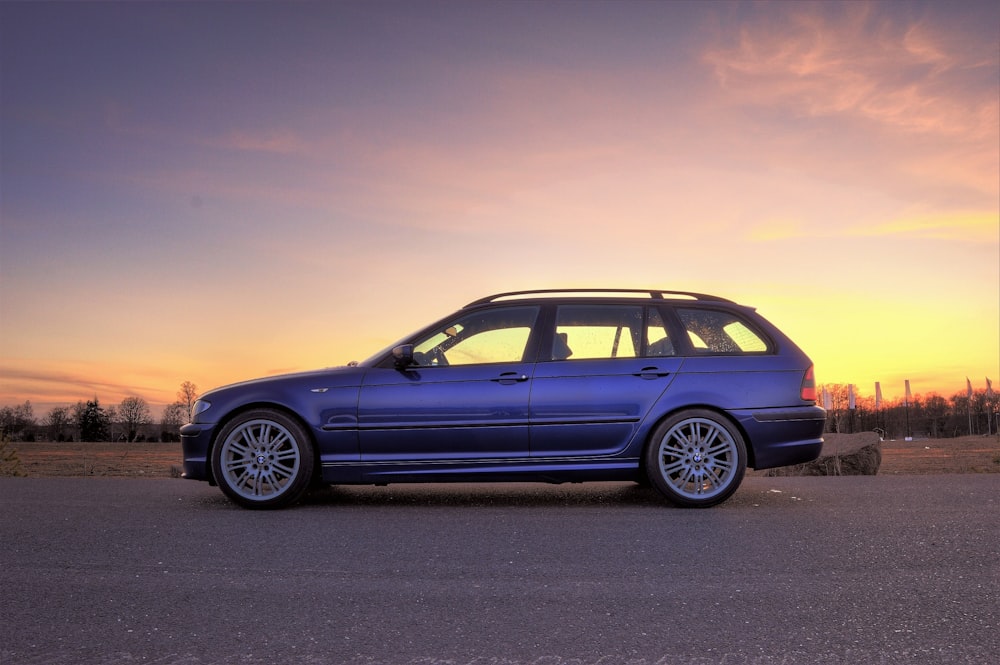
column 963, row 227
column 280, row 142
column 18, row 384
column 779, row 229
column 861, row 62
column 869, row 96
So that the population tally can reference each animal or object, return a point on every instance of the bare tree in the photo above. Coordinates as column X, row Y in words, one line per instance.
column 57, row 421
column 173, row 417
column 18, row 422
column 134, row 412
column 936, row 411
column 187, row 396
column 839, row 413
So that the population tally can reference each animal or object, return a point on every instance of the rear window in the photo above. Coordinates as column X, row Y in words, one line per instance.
column 716, row 331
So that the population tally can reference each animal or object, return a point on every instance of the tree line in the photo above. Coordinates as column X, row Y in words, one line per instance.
column 89, row 420
column 921, row 416
column 933, row 416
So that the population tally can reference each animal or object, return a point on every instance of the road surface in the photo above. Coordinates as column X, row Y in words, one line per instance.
column 828, row 571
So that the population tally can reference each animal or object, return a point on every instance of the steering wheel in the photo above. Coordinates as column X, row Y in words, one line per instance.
column 436, row 357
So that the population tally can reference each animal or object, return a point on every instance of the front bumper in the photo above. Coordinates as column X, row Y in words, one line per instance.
column 196, row 441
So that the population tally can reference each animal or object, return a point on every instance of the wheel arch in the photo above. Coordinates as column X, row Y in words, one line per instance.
column 722, row 413
column 252, row 406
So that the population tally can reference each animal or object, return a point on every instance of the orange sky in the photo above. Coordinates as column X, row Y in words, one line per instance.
column 213, row 192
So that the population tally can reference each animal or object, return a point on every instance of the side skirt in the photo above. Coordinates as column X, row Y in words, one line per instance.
column 562, row 470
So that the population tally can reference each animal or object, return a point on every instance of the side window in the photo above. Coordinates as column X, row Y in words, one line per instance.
column 597, row 331
column 492, row 336
column 715, row 331
column 657, row 338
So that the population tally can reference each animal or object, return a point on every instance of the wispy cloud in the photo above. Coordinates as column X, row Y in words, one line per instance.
column 866, row 95
column 967, row 227
column 861, row 62
column 779, row 229
column 57, row 386
column 279, row 142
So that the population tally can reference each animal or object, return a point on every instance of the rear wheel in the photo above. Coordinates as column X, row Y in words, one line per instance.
column 263, row 459
column 696, row 458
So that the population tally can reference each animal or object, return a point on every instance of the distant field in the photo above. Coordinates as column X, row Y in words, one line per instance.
column 970, row 454
column 132, row 460
column 966, row 454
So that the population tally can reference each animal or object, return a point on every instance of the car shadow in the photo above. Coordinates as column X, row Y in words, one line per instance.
column 487, row 495
column 755, row 493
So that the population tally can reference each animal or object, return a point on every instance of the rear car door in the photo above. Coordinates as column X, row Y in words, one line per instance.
column 608, row 364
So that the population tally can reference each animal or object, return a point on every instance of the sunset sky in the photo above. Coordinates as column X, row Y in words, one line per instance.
column 210, row 192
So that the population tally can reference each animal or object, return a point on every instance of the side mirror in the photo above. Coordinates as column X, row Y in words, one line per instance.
column 402, row 356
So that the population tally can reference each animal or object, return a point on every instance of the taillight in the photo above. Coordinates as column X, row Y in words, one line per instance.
column 808, row 390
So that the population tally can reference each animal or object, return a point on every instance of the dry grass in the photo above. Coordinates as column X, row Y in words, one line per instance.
column 967, row 454
column 132, row 460
column 970, row 454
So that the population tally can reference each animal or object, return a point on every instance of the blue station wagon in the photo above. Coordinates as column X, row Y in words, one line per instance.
column 681, row 391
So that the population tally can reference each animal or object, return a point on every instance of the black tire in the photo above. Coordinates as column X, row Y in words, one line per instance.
column 263, row 459
column 696, row 458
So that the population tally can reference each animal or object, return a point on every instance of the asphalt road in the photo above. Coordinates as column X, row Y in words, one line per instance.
column 848, row 570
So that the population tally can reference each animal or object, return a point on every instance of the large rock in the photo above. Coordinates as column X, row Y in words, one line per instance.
column 842, row 455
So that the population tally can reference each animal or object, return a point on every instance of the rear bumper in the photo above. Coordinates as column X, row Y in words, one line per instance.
column 790, row 414
column 784, row 436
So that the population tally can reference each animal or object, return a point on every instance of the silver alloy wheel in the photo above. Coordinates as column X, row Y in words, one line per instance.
column 260, row 460
column 699, row 459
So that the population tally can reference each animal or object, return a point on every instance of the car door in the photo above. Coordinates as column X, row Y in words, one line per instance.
column 607, row 366
column 465, row 398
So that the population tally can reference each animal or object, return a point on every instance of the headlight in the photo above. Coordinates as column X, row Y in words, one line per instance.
column 200, row 406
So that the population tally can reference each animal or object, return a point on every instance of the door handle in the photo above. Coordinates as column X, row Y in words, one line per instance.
column 651, row 373
column 508, row 378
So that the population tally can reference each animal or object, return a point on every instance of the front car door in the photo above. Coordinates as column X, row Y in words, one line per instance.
column 464, row 398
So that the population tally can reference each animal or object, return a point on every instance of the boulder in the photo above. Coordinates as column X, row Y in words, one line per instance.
column 842, row 455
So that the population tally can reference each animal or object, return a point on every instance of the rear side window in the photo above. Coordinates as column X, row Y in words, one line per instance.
column 658, row 342
column 609, row 331
column 597, row 331
column 716, row 331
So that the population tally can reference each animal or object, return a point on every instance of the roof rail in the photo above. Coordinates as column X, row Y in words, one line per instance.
column 655, row 294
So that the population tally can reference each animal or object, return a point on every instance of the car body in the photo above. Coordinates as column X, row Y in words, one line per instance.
column 679, row 390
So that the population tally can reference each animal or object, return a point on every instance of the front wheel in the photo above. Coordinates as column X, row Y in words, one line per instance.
column 263, row 459
column 696, row 458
